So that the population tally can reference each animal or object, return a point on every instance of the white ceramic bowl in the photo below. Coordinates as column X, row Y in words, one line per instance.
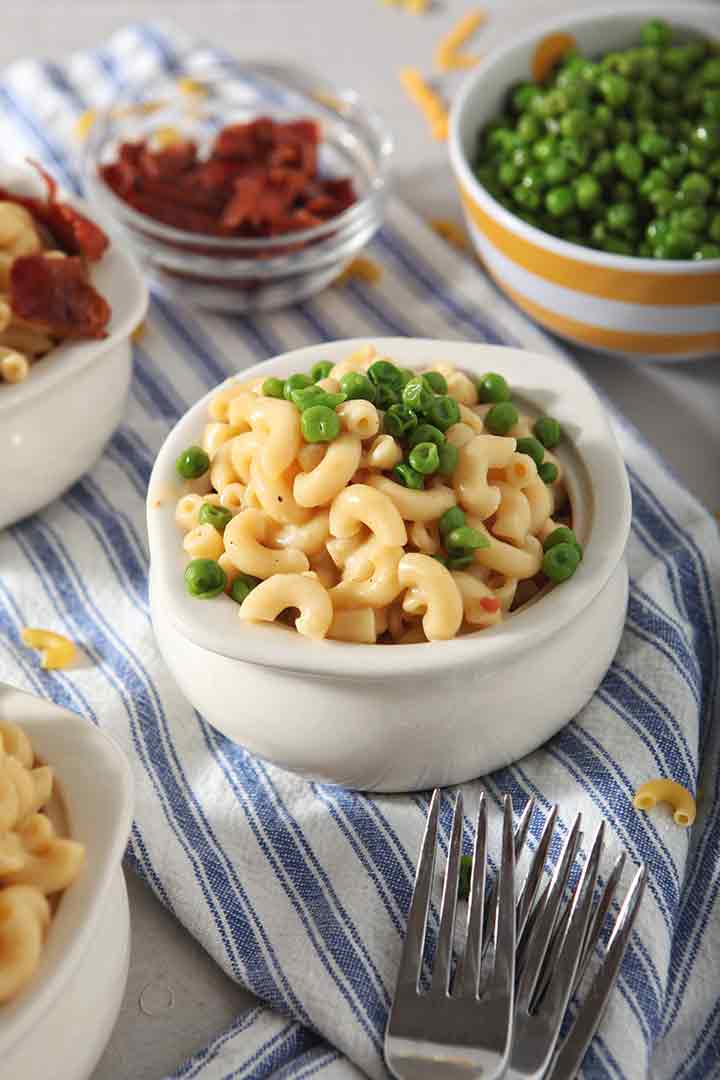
column 60, row 1023
column 54, row 424
column 646, row 308
column 404, row 717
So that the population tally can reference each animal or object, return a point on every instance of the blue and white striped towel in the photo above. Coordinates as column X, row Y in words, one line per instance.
column 300, row 891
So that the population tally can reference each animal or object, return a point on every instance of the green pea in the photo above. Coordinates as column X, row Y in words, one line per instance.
column 653, row 145
column 707, row 251
column 548, row 431
column 192, row 463
column 459, row 562
column 386, row 396
column 320, row 424
column 674, row 164
column 435, row 381
column 465, row 877
column 295, row 382
column 453, row 518
column 560, row 562
column 527, row 129
column 321, row 370
column 508, row 174
column 443, row 412
column 449, row 454
column 561, row 535
column 575, row 122
column 603, row 117
column 309, row 396
column 662, row 200
column 680, row 243
column 656, row 180
column 696, row 188
column 544, row 149
column 620, row 216
column 629, row 161
column 560, row 201
column 692, row 218
column 407, row 476
column 574, row 150
column 523, row 95
column 244, row 584
column 603, row 164
column 501, row 418
column 217, row 516
column 399, row 421
column 492, row 388
column 356, row 386
column 710, row 71
column 273, row 388
column 655, row 32
column 383, row 373
column 587, row 191
column 526, row 197
column 615, row 89
column 426, row 433
column 532, row 447
column 557, row 170
column 657, row 230
column 424, row 458
column 204, row 578
column 417, row 396
column 464, row 538
column 548, row 472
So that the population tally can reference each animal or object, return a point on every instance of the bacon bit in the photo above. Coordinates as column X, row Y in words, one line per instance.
column 427, row 100
column 491, row 604
column 74, row 233
column 260, row 179
column 452, row 233
column 447, row 55
column 83, row 124
column 361, row 269
column 56, row 296
column 548, row 52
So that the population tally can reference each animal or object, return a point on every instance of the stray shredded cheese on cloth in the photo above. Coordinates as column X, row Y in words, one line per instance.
column 81, row 128
column 139, row 332
column 447, row 55
column 191, row 86
column 451, row 232
column 415, row 7
column 363, row 269
column 427, row 101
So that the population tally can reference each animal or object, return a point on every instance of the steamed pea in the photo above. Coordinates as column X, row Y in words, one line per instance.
column 204, row 578
column 399, row 421
column 355, row 385
column 321, row 370
column 320, row 424
column 217, row 516
column 273, row 388
column 492, row 388
column 501, row 418
column 407, row 476
column 192, row 463
column 244, row 584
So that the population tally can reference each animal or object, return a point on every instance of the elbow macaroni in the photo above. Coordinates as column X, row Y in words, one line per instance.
column 34, row 861
column 329, row 529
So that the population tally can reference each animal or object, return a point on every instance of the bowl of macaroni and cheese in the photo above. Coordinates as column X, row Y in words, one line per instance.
column 69, row 302
column 391, row 564
column 65, row 817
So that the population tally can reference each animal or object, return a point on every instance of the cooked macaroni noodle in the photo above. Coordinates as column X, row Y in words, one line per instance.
column 323, row 500
column 34, row 861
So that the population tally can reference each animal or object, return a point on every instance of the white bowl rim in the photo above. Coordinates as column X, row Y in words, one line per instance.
column 682, row 16
column 101, row 748
column 270, row 646
column 128, row 296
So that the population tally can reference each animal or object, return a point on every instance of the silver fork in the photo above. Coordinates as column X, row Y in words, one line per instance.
column 431, row 1034
column 554, row 953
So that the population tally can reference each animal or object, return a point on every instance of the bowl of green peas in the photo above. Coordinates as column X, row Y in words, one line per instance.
column 587, row 155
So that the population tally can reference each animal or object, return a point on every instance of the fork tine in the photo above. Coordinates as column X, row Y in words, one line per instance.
column 598, row 919
column 542, row 929
column 502, row 980
column 569, row 1058
column 412, row 954
column 468, row 967
column 520, row 836
column 534, row 877
column 443, row 953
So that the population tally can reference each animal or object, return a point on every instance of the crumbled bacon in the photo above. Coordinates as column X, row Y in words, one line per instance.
column 491, row 604
column 56, row 296
column 260, row 179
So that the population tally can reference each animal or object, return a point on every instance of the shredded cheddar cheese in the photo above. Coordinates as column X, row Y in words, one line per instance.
column 452, row 233
column 427, row 101
column 548, row 52
column 362, row 269
column 191, row 86
column 448, row 56
column 83, row 124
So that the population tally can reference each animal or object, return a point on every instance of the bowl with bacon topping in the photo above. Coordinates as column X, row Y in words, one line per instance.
column 236, row 199
column 391, row 564
column 69, row 301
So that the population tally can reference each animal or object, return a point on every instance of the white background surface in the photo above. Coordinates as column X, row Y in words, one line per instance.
column 358, row 43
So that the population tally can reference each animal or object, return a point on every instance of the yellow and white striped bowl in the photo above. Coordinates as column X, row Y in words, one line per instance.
column 646, row 308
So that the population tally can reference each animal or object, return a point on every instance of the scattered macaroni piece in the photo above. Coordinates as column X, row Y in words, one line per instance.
column 451, row 232
column 57, row 651
column 427, row 100
column 547, row 53
column 361, row 268
column 447, row 55
column 669, row 791
column 191, row 86
column 84, row 123
column 34, row 861
column 139, row 332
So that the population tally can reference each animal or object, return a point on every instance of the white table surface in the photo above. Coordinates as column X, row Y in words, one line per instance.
column 177, row 999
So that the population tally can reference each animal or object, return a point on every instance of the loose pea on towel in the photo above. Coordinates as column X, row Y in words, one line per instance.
column 300, row 891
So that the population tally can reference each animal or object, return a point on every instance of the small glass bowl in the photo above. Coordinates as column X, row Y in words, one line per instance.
column 241, row 275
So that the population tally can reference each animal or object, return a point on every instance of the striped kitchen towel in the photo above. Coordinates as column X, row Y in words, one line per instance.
column 298, row 890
